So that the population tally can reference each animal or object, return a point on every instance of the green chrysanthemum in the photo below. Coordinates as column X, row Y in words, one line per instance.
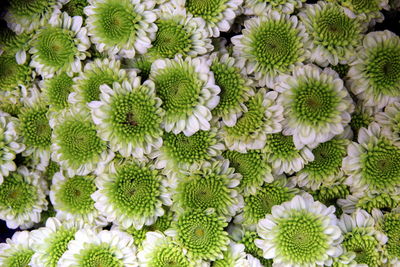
column 334, row 31
column 328, row 195
column 247, row 240
column 252, row 166
column 210, row 185
column 261, row 7
column 131, row 195
column 369, row 201
column 17, row 252
column 57, row 89
column 202, row 234
column 271, row 45
column 51, row 169
column 13, row 74
column 325, row 167
column 14, row 45
column 374, row 77
column 391, row 227
column 129, row 116
column 123, row 26
column 260, row 204
column 75, row 143
column 75, row 7
column 283, row 155
column 361, row 117
column 366, row 10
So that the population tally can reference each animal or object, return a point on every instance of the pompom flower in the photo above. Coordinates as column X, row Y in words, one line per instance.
column 56, row 90
column 17, row 251
column 12, row 74
column 12, row 44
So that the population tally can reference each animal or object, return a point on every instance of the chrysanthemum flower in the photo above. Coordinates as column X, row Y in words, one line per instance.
column 390, row 225
column 218, row 15
column 330, row 194
column 26, row 16
column 74, row 7
column 104, row 248
column 374, row 162
column 11, row 102
column 367, row 10
column 201, row 233
column 187, row 90
column 300, row 232
column 10, row 144
column 13, row 44
column 262, row 116
column 369, row 201
column 123, row 27
column 390, row 121
column 374, row 77
column 131, row 195
column 361, row 237
column 235, row 88
column 160, row 250
column 362, row 117
column 233, row 257
column 59, row 47
column 56, row 90
column 71, row 198
column 270, row 45
column 335, row 33
column 253, row 167
column 76, row 145
column 261, row 7
column 50, row 242
column 17, row 251
column 316, row 104
column 209, row 185
column 22, row 198
column 258, row 205
column 129, row 117
column 13, row 74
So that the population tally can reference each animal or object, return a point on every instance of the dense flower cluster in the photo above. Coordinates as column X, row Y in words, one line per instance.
column 195, row 133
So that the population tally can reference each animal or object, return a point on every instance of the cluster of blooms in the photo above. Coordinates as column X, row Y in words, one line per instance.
column 190, row 133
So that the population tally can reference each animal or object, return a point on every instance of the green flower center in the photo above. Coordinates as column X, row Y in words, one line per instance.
column 75, row 194
column 75, row 7
column 207, row 9
column 359, row 120
column 58, row 90
column 135, row 190
column 17, row 195
column 391, row 227
column 281, row 146
column 169, row 256
column 365, row 247
column 100, row 256
column 301, row 238
column 19, row 259
column 171, row 39
column 35, row 127
column 51, row 169
column 361, row 6
column 12, row 74
column 23, row 8
column 58, row 244
column 90, row 86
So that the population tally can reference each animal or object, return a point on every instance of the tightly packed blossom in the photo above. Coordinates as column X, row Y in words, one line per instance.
column 200, row 133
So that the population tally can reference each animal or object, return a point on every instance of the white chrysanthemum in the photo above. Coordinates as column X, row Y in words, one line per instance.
column 316, row 104
column 26, row 16
column 60, row 47
column 374, row 77
column 261, row 7
column 22, row 198
column 16, row 251
column 373, row 162
column 76, row 145
column 300, row 232
column 262, row 116
column 104, row 248
column 390, row 121
column 271, row 45
column 218, row 15
column 131, row 194
column 71, row 198
column 50, row 242
column 187, row 89
column 160, row 250
column 9, row 144
column 129, row 117
column 123, row 27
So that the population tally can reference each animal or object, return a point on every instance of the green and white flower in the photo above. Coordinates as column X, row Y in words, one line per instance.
column 300, row 232
column 56, row 91
column 13, row 44
column 390, row 225
column 201, row 234
column 253, row 167
column 369, row 201
column 10, row 102
column 330, row 194
column 59, row 47
column 131, row 194
column 335, row 33
column 123, row 27
column 187, row 90
column 283, row 155
column 209, row 185
column 390, row 121
column 105, row 248
column 233, row 257
column 374, row 77
column 22, row 198
column 129, row 117
column 361, row 237
column 235, row 88
column 271, row 45
column 50, row 242
column 367, row 10
column 76, row 145
column 16, row 251
column 10, row 144
column 262, row 116
column 373, row 162
column 218, row 15
column 26, row 16
column 262, row 7
column 71, row 198
column 12, row 74
column 362, row 117
column 316, row 104
column 160, row 250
